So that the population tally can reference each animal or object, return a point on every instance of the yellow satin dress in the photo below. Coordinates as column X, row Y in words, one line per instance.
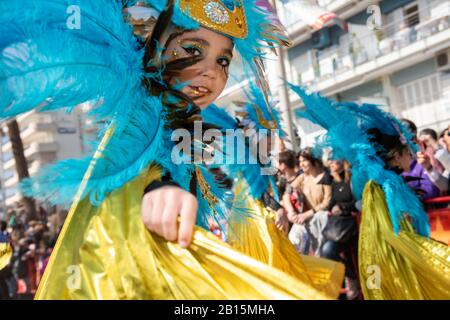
column 258, row 237
column 403, row 266
column 106, row 252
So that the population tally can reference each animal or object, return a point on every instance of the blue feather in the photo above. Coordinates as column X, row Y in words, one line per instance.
column 248, row 167
column 128, row 152
column 47, row 66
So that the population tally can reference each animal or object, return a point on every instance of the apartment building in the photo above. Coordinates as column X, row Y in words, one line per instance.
column 47, row 137
column 403, row 64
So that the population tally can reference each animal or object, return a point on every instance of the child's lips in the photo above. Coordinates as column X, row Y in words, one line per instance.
column 199, row 91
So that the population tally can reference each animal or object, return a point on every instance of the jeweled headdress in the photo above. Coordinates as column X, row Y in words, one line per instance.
column 225, row 16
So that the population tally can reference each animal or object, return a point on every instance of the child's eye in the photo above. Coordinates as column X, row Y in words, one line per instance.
column 192, row 50
column 224, row 62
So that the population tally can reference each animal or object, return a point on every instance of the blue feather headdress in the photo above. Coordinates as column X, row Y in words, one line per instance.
column 48, row 63
column 347, row 126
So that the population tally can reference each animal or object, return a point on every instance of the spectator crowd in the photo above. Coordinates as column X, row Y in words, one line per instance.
column 32, row 242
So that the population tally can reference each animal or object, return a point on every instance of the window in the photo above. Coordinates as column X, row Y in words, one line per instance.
column 419, row 92
column 411, row 15
column 426, row 91
column 8, row 174
column 7, row 156
column 10, row 192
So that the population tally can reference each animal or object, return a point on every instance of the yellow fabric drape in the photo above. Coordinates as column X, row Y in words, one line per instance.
column 5, row 254
column 107, row 253
column 403, row 266
column 258, row 237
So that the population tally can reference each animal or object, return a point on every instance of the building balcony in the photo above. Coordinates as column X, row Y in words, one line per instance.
column 11, row 200
column 288, row 11
column 10, row 164
column 31, row 151
column 7, row 147
column 42, row 147
column 233, row 93
column 13, row 179
column 32, row 131
column 427, row 114
column 294, row 21
column 339, row 72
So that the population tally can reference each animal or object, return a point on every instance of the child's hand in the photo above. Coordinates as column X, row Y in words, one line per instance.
column 282, row 221
column 160, row 210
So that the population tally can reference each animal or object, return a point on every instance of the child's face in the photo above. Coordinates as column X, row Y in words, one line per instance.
column 207, row 78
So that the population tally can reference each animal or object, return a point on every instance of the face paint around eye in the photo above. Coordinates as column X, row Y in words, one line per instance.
column 224, row 61
column 192, row 47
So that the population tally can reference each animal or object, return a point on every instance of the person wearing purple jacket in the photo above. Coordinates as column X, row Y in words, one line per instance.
column 417, row 177
column 419, row 181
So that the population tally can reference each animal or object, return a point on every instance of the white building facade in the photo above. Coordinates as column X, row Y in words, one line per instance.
column 403, row 64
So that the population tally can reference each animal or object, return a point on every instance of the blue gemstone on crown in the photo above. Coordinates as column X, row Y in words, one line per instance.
column 229, row 4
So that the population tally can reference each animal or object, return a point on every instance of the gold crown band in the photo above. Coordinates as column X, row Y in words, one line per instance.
column 225, row 16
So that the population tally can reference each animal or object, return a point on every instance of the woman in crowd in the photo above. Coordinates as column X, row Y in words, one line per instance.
column 439, row 156
column 341, row 232
column 309, row 221
column 444, row 139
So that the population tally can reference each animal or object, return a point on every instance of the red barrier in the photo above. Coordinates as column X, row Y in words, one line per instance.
column 439, row 219
column 438, row 200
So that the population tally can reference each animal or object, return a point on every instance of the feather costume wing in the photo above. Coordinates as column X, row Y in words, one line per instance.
column 347, row 125
column 47, row 64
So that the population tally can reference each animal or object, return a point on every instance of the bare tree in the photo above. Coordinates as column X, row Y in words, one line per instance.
column 21, row 164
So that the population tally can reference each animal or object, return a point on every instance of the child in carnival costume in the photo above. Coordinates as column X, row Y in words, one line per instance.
column 397, row 258
column 148, row 86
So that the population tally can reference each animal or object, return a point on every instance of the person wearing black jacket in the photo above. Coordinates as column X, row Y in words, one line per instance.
column 342, row 236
